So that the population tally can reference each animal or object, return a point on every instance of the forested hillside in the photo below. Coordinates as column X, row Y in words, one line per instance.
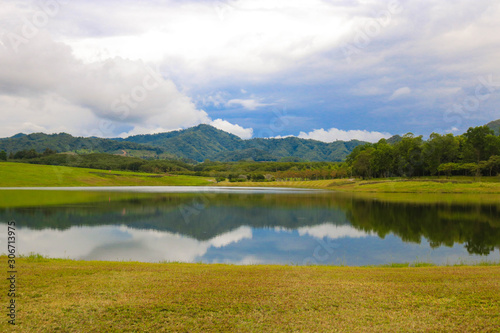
column 195, row 144
column 64, row 142
column 206, row 142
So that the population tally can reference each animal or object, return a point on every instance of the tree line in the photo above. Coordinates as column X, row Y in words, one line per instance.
column 474, row 153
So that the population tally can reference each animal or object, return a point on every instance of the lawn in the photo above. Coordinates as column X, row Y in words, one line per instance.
column 28, row 175
column 90, row 296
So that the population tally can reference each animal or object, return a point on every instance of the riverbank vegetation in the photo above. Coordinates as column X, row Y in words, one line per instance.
column 66, row 295
column 475, row 153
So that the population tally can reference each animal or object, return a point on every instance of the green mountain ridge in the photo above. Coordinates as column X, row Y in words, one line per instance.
column 206, row 142
column 64, row 142
column 195, row 144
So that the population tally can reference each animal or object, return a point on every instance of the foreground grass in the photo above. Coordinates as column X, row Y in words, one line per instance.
column 81, row 296
column 27, row 175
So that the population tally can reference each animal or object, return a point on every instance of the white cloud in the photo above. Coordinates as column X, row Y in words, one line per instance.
column 249, row 104
column 400, row 92
column 244, row 133
column 208, row 39
column 332, row 231
column 42, row 78
column 123, row 243
column 218, row 45
column 334, row 134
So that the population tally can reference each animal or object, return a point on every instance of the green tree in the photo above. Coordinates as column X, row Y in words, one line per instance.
column 362, row 166
column 476, row 143
column 493, row 164
column 3, row 155
column 448, row 168
column 408, row 152
column 382, row 159
column 439, row 149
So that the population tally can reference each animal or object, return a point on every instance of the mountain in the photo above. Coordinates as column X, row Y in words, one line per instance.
column 495, row 126
column 197, row 143
column 64, row 142
column 206, row 142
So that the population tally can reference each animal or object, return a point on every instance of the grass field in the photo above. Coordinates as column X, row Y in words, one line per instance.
column 85, row 296
column 458, row 185
column 27, row 175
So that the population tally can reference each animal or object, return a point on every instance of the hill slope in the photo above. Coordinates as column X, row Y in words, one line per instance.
column 64, row 142
column 196, row 143
column 495, row 126
column 206, row 142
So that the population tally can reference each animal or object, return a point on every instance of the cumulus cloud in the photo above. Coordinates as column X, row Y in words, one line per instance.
column 244, row 133
column 334, row 134
column 42, row 76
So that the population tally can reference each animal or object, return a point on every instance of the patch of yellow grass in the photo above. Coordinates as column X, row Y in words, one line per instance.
column 78, row 296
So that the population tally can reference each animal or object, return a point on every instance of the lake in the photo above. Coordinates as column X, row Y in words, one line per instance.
column 250, row 226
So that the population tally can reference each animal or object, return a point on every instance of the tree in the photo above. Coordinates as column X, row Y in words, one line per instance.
column 493, row 164
column 447, row 168
column 408, row 152
column 362, row 165
column 3, row 155
column 49, row 151
column 383, row 159
column 439, row 149
column 476, row 143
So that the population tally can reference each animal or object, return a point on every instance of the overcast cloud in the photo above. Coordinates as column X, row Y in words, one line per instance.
column 342, row 69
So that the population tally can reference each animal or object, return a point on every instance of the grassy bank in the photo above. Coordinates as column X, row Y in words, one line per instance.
column 77, row 296
column 458, row 185
column 27, row 175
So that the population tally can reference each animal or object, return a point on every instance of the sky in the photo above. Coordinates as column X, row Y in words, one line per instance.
column 318, row 69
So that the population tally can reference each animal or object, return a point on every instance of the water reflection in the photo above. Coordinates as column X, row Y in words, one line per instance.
column 298, row 228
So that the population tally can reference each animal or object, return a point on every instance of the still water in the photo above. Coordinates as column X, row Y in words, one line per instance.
column 248, row 226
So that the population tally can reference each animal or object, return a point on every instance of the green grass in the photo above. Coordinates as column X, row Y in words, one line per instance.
column 423, row 185
column 28, row 175
column 92, row 296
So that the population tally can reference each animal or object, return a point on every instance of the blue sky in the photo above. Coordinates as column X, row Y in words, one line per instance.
column 327, row 70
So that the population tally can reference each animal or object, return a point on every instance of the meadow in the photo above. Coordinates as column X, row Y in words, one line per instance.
column 32, row 175
column 75, row 296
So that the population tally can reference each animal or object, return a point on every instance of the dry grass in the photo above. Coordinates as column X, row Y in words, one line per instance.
column 77, row 296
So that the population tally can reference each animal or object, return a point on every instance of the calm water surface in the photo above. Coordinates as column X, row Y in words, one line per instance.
column 246, row 226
